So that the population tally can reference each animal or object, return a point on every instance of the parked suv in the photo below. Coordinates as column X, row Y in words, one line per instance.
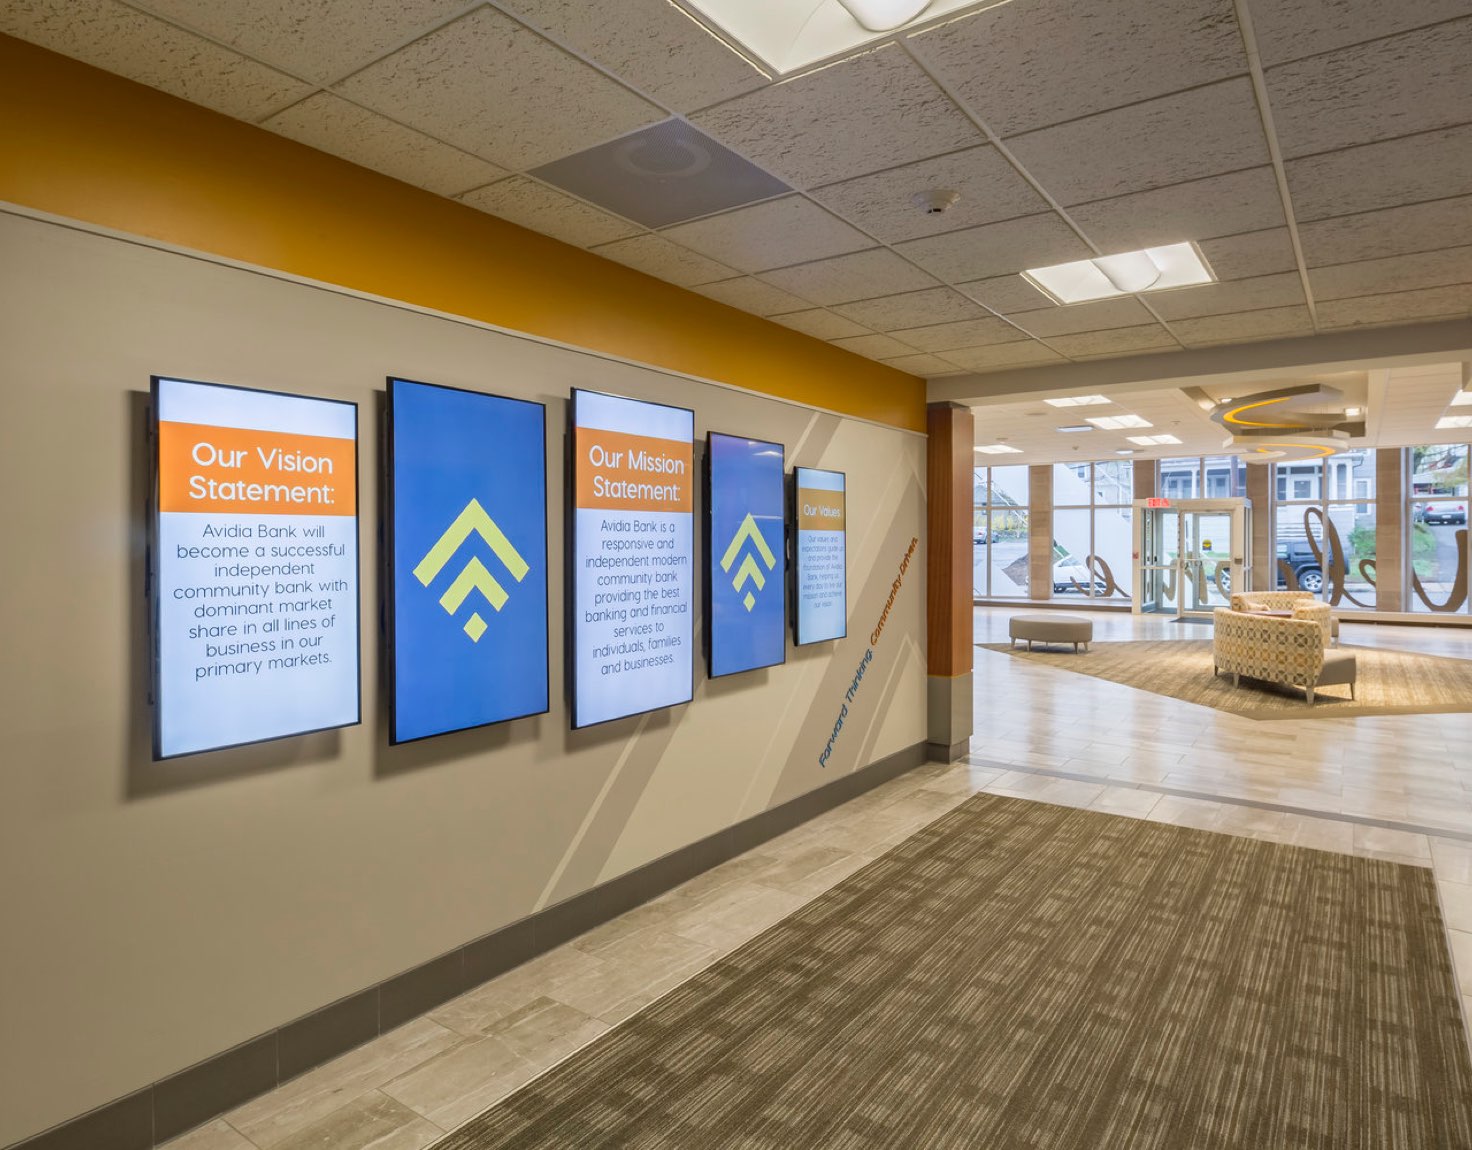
column 1300, row 557
column 1443, row 511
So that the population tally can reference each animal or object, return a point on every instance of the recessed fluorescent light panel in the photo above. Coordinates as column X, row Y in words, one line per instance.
column 1116, row 422
column 999, row 449
column 1077, row 401
column 1128, row 273
column 1462, row 399
column 1076, row 427
column 1152, row 440
column 785, row 35
column 1452, row 422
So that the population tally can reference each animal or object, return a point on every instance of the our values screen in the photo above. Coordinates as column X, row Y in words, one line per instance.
column 468, row 523
column 257, row 566
column 820, row 562
column 747, row 555
column 633, row 556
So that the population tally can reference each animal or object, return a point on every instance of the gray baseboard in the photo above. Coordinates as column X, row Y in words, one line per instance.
column 174, row 1105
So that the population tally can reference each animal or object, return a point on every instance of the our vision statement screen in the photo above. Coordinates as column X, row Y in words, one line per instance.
column 257, row 566
column 820, row 563
column 633, row 556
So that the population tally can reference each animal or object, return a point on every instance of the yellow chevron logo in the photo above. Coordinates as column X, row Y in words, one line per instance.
column 748, row 571
column 473, row 520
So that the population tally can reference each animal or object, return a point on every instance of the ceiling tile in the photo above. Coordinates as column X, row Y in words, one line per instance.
column 546, row 210
column 1117, row 342
column 1096, row 316
column 1426, row 166
column 668, row 261
column 330, row 124
column 1216, row 206
column 1401, row 307
column 1408, row 83
column 883, row 204
column 1250, row 254
column 1186, row 136
column 754, row 296
column 774, row 234
column 652, row 44
column 964, row 333
column 863, row 275
column 1008, row 294
column 874, row 346
column 1308, row 27
column 1021, row 354
column 1280, row 290
column 114, row 37
column 1393, row 274
column 490, row 86
column 1270, row 323
column 976, row 253
column 912, row 309
column 1394, row 231
column 820, row 323
column 323, row 40
column 1024, row 66
column 925, row 365
column 870, row 112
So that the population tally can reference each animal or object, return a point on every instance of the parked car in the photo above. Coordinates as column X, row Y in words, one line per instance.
column 982, row 537
column 1066, row 572
column 1443, row 511
column 1300, row 558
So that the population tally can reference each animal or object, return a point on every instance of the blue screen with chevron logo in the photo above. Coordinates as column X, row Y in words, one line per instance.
column 467, row 540
column 747, row 614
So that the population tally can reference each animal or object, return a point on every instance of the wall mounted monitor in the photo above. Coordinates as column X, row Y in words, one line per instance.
column 255, row 574
column 632, row 557
column 467, row 559
column 746, row 566
column 820, row 579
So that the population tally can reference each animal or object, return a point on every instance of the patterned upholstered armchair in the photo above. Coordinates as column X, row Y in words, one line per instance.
column 1299, row 602
column 1291, row 651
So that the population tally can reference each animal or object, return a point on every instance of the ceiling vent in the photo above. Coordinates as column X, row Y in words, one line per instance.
column 661, row 175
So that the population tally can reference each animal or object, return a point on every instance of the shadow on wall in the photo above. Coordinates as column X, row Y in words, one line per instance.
column 144, row 776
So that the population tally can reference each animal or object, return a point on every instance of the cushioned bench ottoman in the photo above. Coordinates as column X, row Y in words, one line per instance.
column 1050, row 628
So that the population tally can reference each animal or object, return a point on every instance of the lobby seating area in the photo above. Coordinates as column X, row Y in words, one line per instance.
column 1290, row 648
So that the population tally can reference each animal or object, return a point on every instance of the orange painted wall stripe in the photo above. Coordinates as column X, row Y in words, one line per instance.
column 608, row 456
column 87, row 145
column 237, row 471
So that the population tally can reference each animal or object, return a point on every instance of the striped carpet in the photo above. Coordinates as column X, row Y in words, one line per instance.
column 1387, row 682
column 1026, row 975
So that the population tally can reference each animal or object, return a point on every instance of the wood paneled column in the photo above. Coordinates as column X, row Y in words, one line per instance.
column 1391, row 581
column 1040, row 531
column 948, row 606
column 1264, row 549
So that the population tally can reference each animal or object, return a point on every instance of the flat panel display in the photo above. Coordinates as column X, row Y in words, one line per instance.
column 820, row 599
column 632, row 557
column 467, row 542
column 746, row 565
column 256, row 566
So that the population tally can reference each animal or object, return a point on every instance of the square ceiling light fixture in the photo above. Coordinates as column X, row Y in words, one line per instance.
column 1152, row 440
column 1128, row 273
column 1078, row 401
column 999, row 449
column 1453, row 422
column 1116, row 422
column 785, row 35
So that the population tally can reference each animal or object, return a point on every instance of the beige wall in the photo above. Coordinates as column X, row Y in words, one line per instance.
column 155, row 914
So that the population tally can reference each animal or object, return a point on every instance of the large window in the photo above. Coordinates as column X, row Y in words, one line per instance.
column 1324, row 527
column 999, row 552
column 1437, row 505
column 1091, row 529
column 1203, row 477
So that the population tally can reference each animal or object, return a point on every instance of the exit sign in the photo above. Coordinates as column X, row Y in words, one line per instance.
column 1157, row 502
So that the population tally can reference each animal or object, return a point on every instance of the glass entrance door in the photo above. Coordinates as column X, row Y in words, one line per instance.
column 1189, row 555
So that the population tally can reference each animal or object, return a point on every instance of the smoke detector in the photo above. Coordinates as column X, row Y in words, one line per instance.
column 936, row 201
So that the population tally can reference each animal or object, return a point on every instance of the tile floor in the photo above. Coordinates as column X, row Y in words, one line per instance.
column 1396, row 787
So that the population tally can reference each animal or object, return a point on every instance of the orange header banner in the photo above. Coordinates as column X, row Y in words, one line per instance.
column 819, row 510
column 236, row 471
column 617, row 471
